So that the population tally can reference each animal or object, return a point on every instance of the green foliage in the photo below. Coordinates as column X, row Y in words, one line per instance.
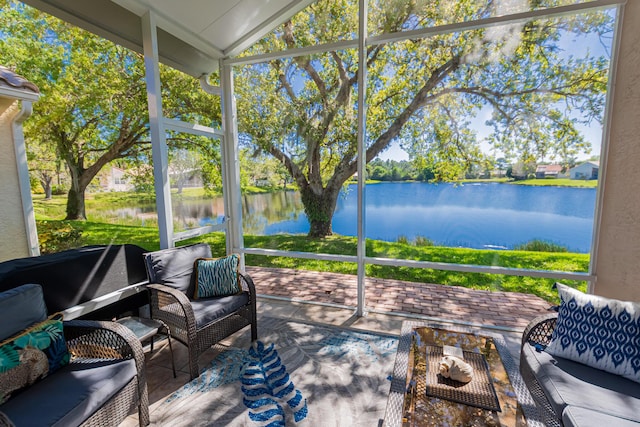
column 541, row 246
column 58, row 190
column 423, row 241
column 56, row 236
column 403, row 240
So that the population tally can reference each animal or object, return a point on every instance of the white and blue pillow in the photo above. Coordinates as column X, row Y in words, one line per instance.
column 599, row 332
column 217, row 277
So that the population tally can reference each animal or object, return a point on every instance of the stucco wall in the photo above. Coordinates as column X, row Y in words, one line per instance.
column 618, row 258
column 13, row 235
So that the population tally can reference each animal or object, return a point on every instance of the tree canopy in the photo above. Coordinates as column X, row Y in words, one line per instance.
column 422, row 92
column 93, row 108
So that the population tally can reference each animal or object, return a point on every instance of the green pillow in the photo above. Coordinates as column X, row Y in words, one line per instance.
column 217, row 277
column 32, row 355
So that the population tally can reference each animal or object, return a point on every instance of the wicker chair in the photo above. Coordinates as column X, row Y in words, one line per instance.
column 171, row 287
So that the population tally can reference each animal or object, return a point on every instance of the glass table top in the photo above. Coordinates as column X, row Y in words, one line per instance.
column 409, row 404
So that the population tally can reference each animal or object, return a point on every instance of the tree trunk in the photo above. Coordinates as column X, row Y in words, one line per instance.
column 75, row 204
column 46, row 186
column 319, row 209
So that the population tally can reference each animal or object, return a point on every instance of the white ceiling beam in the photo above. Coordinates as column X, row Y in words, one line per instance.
column 178, row 29
column 266, row 27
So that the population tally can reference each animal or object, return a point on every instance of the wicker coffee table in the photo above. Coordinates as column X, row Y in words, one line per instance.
column 496, row 396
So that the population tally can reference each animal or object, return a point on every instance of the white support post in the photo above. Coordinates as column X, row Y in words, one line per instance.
column 604, row 150
column 231, row 164
column 23, row 176
column 362, row 147
column 157, row 130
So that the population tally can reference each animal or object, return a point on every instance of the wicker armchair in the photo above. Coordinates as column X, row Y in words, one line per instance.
column 171, row 285
column 538, row 333
column 99, row 342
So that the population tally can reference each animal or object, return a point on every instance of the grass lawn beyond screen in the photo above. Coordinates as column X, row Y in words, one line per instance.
column 81, row 233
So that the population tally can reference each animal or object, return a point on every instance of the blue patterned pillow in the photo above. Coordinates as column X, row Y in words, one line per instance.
column 599, row 332
column 217, row 277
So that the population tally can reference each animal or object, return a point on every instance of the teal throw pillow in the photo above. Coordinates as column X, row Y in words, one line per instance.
column 217, row 277
column 32, row 355
column 599, row 332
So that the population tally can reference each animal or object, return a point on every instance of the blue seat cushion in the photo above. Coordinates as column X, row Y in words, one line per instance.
column 207, row 310
column 21, row 307
column 569, row 383
column 574, row 416
column 70, row 395
column 174, row 267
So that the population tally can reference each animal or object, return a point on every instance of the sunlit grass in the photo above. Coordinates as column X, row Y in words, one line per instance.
column 558, row 182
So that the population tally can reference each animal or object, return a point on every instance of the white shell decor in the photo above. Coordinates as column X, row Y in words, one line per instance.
column 456, row 369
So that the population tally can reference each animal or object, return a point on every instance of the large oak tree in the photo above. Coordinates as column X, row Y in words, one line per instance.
column 421, row 92
column 93, row 108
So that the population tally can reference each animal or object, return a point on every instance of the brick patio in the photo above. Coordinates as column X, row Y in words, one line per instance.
column 507, row 309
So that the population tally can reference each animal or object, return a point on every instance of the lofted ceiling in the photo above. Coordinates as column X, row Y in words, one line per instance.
column 193, row 35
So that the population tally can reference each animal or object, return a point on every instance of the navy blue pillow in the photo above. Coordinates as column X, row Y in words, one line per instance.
column 21, row 307
column 174, row 267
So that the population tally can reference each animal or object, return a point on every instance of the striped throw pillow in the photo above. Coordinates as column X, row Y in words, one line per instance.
column 217, row 277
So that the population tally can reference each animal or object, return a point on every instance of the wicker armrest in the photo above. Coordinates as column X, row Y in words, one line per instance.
column 539, row 330
column 162, row 295
column 173, row 307
column 91, row 339
column 248, row 285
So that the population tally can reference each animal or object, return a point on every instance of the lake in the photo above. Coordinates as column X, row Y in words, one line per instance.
column 478, row 215
column 471, row 215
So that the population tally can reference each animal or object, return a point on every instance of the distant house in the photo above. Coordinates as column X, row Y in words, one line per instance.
column 586, row 170
column 548, row 171
column 115, row 180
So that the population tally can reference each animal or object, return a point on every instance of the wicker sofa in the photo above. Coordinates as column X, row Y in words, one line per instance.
column 98, row 382
column 89, row 286
column 569, row 393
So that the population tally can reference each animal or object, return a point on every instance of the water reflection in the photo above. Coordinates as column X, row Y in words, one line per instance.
column 476, row 216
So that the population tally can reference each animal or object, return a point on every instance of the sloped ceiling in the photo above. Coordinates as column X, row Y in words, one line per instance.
column 192, row 34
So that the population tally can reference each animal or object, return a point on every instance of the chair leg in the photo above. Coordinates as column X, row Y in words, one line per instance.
column 193, row 363
column 143, row 408
column 254, row 331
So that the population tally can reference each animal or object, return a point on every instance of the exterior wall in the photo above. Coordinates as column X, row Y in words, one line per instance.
column 583, row 171
column 618, row 259
column 12, row 224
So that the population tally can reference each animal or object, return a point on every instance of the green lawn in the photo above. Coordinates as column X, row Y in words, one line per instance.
column 93, row 233
column 559, row 182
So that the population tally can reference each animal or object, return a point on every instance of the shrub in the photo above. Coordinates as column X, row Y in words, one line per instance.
column 423, row 241
column 541, row 246
column 58, row 190
column 57, row 236
column 403, row 239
